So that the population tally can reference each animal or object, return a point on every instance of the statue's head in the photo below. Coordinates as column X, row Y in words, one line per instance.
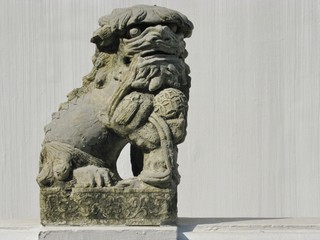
column 150, row 37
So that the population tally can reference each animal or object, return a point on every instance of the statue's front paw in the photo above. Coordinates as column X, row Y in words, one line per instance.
column 132, row 183
column 92, row 176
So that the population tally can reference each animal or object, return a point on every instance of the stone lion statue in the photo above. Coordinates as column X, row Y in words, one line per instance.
column 136, row 93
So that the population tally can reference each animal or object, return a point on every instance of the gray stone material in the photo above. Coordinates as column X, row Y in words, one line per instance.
column 137, row 93
column 108, row 206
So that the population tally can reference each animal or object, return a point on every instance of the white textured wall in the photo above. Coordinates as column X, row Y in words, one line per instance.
column 253, row 137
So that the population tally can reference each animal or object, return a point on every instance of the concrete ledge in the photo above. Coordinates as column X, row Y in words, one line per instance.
column 188, row 229
column 19, row 229
column 249, row 228
column 32, row 230
column 110, row 233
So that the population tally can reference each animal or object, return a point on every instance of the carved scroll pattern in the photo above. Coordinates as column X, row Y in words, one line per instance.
column 106, row 207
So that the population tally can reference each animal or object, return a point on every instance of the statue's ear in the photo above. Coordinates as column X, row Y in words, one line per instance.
column 104, row 38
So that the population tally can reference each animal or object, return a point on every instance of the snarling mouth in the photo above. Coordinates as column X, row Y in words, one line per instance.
column 153, row 54
column 157, row 53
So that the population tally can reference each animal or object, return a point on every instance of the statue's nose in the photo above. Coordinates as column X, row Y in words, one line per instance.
column 165, row 33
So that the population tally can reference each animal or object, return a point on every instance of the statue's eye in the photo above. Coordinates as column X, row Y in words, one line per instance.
column 173, row 27
column 134, row 32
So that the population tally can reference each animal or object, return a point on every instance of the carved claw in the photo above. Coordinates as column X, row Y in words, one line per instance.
column 131, row 183
column 92, row 176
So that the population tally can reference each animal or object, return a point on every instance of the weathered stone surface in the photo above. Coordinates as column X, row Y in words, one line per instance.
column 137, row 93
column 110, row 206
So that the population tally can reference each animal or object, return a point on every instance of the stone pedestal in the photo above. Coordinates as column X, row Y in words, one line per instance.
column 108, row 206
column 109, row 232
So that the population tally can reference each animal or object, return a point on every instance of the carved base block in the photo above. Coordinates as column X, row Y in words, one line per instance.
column 108, row 206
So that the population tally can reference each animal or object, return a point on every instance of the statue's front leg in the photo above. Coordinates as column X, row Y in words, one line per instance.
column 131, row 113
column 158, row 139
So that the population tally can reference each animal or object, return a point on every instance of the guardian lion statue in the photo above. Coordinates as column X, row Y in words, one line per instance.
column 136, row 93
